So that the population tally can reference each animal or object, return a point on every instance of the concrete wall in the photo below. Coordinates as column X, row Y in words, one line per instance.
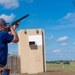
column 31, row 51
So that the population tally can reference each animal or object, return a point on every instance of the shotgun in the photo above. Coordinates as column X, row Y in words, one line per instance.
column 15, row 24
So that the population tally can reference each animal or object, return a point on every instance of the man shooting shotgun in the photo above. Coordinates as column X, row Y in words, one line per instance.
column 5, row 38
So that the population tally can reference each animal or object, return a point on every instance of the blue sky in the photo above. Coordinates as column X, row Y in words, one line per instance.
column 55, row 17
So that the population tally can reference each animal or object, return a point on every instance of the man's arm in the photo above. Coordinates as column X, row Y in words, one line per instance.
column 16, row 38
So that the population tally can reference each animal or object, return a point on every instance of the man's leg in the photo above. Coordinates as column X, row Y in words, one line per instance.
column 1, row 69
column 6, row 71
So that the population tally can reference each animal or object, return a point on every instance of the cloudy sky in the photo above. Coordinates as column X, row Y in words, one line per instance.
column 55, row 17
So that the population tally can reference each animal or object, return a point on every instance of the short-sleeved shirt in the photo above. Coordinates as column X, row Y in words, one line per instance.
column 5, row 38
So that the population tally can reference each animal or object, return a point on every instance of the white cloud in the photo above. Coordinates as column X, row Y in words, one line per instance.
column 62, row 38
column 9, row 3
column 51, row 37
column 8, row 18
column 64, row 44
column 68, row 16
column 29, row 1
column 67, row 21
column 56, row 51
column 74, row 43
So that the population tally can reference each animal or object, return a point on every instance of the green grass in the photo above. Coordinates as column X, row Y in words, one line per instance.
column 57, row 69
column 62, row 67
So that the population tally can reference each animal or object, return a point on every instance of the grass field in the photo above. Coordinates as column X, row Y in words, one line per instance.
column 57, row 69
column 61, row 67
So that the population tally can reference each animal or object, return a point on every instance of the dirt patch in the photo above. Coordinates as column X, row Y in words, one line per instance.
column 51, row 72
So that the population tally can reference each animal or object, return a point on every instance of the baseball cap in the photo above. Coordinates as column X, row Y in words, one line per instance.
column 2, row 21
